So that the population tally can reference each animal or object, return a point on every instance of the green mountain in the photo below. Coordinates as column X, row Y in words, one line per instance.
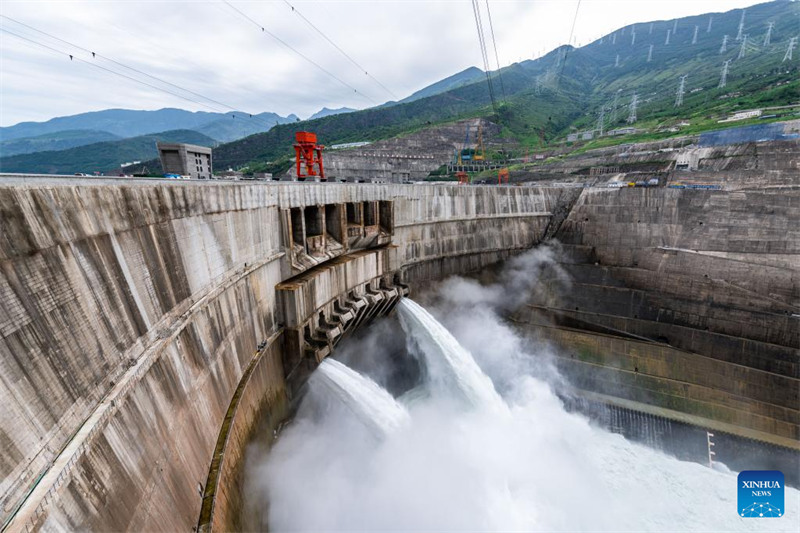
column 325, row 112
column 130, row 123
column 570, row 88
column 238, row 125
column 99, row 157
column 61, row 140
column 465, row 77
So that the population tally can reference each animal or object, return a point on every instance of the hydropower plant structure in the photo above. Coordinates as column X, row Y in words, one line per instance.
column 150, row 328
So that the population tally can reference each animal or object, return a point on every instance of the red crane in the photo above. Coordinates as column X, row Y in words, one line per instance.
column 308, row 156
column 502, row 175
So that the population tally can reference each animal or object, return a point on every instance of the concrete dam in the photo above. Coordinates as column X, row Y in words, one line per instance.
column 151, row 328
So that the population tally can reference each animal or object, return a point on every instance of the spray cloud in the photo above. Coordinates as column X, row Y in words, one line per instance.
column 456, row 466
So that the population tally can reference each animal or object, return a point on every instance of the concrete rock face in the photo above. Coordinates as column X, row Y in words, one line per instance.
column 133, row 312
column 149, row 328
column 733, row 167
column 409, row 158
column 686, row 300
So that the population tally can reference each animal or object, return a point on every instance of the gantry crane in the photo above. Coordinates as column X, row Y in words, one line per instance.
column 308, row 156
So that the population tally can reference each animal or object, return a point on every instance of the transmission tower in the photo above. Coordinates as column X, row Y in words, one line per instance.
column 724, row 47
column 601, row 121
column 614, row 38
column 724, row 78
column 743, row 49
column 675, row 27
column 632, row 113
column 651, row 28
column 616, row 102
column 681, row 91
column 769, row 33
column 667, row 41
column 650, row 54
column 694, row 37
column 741, row 26
column 710, row 18
column 633, row 37
column 616, row 61
column 789, row 49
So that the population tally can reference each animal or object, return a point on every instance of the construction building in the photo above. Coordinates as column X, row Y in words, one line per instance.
column 185, row 160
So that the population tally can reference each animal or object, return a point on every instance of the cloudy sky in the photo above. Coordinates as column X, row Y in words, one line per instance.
column 210, row 49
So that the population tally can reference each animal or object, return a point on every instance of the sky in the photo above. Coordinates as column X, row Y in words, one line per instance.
column 207, row 47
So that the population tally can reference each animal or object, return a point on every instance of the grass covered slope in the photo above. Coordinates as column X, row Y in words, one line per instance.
column 61, row 140
column 566, row 90
column 99, row 157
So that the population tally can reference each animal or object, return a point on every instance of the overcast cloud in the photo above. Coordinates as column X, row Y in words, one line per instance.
column 210, row 49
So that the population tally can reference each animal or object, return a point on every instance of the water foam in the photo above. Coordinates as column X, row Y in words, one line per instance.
column 540, row 468
column 451, row 369
column 370, row 403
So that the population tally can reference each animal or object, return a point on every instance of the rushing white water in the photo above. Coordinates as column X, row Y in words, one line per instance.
column 450, row 367
column 371, row 404
column 446, row 468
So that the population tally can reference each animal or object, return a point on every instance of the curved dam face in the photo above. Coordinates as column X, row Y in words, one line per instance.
column 150, row 328
column 686, row 301
column 133, row 311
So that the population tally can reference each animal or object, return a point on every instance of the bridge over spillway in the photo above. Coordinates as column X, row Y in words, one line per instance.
column 147, row 327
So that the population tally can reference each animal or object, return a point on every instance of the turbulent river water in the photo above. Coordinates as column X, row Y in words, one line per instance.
column 462, row 451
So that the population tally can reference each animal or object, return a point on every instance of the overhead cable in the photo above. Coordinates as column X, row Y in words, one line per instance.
column 215, row 107
column 290, row 47
column 496, row 55
column 345, row 54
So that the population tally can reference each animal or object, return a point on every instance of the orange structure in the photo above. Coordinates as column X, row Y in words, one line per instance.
column 463, row 178
column 308, row 156
column 502, row 174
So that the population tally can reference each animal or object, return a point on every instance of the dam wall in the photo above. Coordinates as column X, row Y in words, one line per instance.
column 686, row 300
column 132, row 310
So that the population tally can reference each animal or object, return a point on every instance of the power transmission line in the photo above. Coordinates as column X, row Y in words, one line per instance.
column 496, row 56
column 479, row 25
column 788, row 55
column 571, row 32
column 743, row 48
column 724, row 77
column 681, row 90
column 96, row 55
column 769, row 33
column 601, row 121
column 72, row 57
column 741, row 26
column 345, row 54
column 632, row 113
column 290, row 47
